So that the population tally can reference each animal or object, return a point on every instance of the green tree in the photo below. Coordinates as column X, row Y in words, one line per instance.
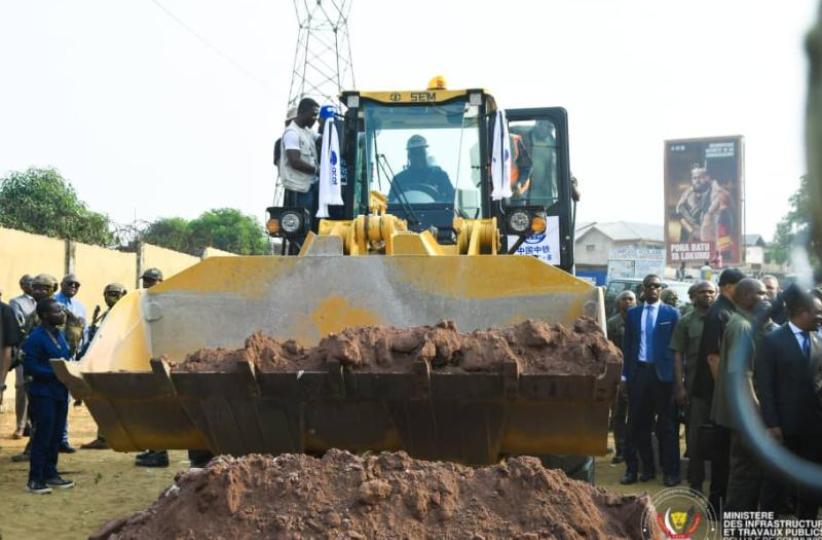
column 171, row 233
column 230, row 230
column 223, row 228
column 41, row 201
column 796, row 223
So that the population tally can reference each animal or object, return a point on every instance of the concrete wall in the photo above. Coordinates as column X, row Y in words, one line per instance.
column 214, row 252
column 24, row 253
column 168, row 261
column 96, row 267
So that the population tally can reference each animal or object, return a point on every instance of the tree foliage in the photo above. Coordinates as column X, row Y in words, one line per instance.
column 230, row 230
column 223, row 228
column 795, row 224
column 171, row 233
column 41, row 201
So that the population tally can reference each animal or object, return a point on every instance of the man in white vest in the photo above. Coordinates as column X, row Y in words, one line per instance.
column 301, row 167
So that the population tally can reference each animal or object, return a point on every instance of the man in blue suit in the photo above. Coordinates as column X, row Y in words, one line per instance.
column 648, row 370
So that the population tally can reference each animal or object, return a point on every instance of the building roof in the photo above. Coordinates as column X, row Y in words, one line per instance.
column 754, row 240
column 622, row 231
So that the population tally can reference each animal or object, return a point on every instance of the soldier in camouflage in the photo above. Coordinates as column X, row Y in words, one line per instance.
column 152, row 458
column 151, row 277
column 685, row 344
column 112, row 293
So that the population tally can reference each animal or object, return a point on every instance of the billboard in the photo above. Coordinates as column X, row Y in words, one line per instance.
column 704, row 190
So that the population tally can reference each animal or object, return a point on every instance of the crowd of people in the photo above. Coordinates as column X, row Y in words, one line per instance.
column 45, row 322
column 675, row 374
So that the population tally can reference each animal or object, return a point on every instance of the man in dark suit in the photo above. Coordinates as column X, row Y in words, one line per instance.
column 648, row 370
column 707, row 367
column 783, row 377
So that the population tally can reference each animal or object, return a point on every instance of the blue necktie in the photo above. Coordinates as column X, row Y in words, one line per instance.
column 806, row 345
column 649, row 333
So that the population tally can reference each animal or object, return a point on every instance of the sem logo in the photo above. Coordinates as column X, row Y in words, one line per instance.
column 395, row 96
column 680, row 514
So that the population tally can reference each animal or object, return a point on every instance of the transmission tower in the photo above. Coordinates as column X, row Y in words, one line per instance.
column 322, row 62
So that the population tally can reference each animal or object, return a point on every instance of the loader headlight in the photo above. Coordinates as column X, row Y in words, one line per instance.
column 539, row 224
column 290, row 222
column 519, row 221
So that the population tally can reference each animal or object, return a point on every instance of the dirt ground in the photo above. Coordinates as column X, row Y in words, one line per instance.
column 110, row 486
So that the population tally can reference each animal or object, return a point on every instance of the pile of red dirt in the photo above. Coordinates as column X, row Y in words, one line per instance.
column 538, row 347
column 380, row 496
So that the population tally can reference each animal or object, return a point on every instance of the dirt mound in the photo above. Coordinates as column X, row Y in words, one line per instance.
column 538, row 347
column 384, row 496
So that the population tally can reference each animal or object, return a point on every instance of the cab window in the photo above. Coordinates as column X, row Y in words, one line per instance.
column 534, row 163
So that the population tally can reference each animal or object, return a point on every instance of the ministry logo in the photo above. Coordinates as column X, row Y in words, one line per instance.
column 680, row 514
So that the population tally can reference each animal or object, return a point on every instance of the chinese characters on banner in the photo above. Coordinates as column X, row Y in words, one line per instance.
column 543, row 246
column 704, row 190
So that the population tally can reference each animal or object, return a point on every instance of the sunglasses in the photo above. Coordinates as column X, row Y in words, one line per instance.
column 73, row 284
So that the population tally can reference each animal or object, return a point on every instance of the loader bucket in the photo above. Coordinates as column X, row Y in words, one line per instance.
column 139, row 402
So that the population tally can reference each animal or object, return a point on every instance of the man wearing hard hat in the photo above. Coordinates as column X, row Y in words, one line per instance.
column 420, row 182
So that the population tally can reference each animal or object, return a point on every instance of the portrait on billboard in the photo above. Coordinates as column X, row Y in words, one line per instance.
column 703, row 201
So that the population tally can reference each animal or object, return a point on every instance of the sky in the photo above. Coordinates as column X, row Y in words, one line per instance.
column 147, row 120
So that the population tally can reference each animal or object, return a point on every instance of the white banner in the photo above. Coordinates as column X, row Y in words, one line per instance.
column 544, row 246
column 330, row 185
column 501, row 159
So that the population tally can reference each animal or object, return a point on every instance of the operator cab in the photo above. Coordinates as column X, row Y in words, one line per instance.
column 426, row 156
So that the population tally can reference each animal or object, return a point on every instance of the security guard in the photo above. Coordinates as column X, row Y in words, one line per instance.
column 42, row 286
column 152, row 458
column 111, row 295
column 619, row 409
column 151, row 277
column 685, row 344
column 669, row 296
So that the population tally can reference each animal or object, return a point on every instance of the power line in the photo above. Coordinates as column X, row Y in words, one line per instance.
column 214, row 48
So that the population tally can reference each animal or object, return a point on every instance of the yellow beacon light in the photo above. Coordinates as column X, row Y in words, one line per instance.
column 437, row 83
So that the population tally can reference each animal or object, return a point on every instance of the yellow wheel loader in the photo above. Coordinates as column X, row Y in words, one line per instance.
column 420, row 238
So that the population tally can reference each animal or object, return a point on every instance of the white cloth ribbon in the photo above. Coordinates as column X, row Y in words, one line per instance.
column 501, row 159
column 330, row 186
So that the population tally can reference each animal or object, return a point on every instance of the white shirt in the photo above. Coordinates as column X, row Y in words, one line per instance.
column 798, row 334
column 291, row 139
column 305, row 141
column 648, row 310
